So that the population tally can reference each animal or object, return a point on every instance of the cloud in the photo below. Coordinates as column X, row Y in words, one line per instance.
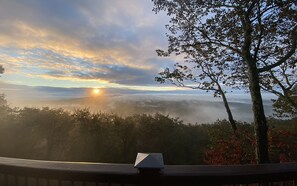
column 119, row 74
column 112, row 41
column 48, row 64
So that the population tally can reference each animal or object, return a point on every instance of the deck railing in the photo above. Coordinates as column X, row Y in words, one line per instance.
column 21, row 172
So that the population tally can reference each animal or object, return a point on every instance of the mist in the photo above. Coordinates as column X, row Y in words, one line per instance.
column 189, row 107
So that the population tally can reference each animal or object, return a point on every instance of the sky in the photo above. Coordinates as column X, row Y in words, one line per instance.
column 58, row 49
column 89, row 43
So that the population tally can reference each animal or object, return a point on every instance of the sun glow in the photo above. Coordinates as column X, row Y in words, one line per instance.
column 96, row 91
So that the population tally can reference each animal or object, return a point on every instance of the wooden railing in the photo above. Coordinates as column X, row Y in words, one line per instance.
column 21, row 172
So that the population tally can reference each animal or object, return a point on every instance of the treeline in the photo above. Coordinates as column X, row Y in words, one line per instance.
column 56, row 134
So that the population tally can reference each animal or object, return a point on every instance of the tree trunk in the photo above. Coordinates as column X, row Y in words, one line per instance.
column 228, row 110
column 260, row 123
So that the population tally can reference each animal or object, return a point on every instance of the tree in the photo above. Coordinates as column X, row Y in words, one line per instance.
column 282, row 81
column 5, row 110
column 1, row 69
column 255, row 37
column 204, row 75
column 286, row 104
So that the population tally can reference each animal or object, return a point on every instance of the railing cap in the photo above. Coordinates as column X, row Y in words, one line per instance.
column 149, row 161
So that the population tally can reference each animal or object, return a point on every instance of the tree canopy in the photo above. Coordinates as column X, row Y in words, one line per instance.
column 251, row 40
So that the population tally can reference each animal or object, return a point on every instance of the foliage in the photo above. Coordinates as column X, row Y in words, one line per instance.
column 229, row 148
column 286, row 106
column 283, row 143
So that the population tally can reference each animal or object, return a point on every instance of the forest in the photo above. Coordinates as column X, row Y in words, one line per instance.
column 56, row 134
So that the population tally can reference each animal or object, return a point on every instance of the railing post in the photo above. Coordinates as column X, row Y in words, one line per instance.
column 149, row 166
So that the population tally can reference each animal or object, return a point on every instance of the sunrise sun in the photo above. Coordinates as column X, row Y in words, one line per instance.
column 96, row 91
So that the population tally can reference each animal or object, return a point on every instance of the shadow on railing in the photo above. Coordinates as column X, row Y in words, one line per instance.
column 21, row 172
